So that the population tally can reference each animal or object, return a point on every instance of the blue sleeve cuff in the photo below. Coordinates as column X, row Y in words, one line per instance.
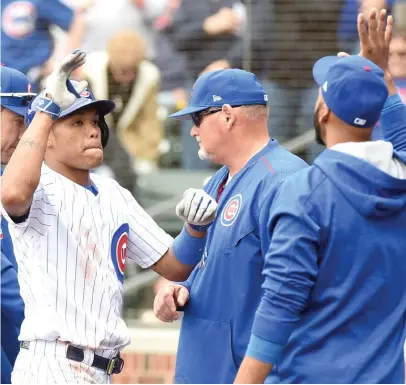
column 271, row 329
column 188, row 249
column 263, row 350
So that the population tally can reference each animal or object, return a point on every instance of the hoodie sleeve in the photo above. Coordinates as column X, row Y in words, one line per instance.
column 290, row 267
column 393, row 122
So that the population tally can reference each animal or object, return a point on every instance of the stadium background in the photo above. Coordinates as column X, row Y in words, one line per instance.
column 153, row 156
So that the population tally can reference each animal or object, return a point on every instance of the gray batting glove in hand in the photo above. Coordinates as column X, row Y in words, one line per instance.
column 166, row 301
column 56, row 84
column 197, row 208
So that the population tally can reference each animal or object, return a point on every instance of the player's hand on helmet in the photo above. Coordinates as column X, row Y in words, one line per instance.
column 62, row 92
column 168, row 299
column 197, row 208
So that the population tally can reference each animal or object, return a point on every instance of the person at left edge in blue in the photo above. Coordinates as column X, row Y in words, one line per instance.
column 15, row 97
column 12, row 315
column 26, row 41
column 230, row 115
column 334, row 302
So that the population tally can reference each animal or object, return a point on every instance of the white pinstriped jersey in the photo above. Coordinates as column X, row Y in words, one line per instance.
column 71, row 256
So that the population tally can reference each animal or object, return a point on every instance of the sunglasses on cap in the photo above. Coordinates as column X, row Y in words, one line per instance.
column 17, row 99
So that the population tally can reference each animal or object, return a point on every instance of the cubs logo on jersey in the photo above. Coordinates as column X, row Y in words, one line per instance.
column 19, row 19
column 231, row 210
column 119, row 249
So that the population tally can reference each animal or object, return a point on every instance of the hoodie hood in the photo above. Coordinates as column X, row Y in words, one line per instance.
column 369, row 175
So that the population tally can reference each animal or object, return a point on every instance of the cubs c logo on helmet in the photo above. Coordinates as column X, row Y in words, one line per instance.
column 119, row 250
column 231, row 210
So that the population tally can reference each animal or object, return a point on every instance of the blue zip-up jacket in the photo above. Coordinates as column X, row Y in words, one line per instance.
column 225, row 289
column 335, row 287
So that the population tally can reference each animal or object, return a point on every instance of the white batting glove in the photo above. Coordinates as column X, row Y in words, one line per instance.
column 197, row 208
column 63, row 93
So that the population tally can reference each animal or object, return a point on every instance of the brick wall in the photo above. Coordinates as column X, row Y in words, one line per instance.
column 144, row 368
column 150, row 358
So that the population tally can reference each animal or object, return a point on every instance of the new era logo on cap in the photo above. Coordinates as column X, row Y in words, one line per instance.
column 217, row 98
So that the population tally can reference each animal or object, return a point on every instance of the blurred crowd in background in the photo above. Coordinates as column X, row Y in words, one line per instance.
column 145, row 55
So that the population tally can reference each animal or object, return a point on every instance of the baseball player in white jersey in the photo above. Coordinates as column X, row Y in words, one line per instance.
column 72, row 232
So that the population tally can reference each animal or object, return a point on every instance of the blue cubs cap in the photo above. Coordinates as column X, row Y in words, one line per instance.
column 15, row 90
column 353, row 88
column 229, row 86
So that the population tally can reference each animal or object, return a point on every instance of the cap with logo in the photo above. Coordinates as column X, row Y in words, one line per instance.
column 353, row 88
column 15, row 90
column 229, row 86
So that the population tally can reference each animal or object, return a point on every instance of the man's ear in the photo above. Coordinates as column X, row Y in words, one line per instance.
column 324, row 114
column 229, row 116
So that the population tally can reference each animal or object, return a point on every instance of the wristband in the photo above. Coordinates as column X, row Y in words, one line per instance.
column 200, row 227
column 188, row 249
column 263, row 350
column 49, row 107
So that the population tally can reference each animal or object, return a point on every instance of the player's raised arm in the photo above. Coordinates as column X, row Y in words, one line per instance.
column 22, row 175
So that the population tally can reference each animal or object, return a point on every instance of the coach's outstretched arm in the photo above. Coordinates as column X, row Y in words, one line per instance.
column 22, row 174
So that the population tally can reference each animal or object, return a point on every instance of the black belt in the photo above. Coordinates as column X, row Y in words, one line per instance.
column 74, row 353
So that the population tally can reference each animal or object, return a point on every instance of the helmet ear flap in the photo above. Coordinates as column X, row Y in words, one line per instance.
column 105, row 132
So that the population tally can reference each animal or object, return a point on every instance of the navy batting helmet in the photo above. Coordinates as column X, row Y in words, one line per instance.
column 86, row 100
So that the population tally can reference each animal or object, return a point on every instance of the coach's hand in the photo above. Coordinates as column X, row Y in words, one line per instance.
column 56, row 84
column 197, row 208
column 168, row 299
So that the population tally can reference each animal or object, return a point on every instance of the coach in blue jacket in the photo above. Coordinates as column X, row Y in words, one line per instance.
column 334, row 302
column 229, row 112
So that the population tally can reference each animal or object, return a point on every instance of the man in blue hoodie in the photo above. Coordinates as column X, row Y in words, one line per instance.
column 334, row 302
column 15, row 96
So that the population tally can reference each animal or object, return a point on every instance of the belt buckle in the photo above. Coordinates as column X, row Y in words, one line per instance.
column 115, row 365
column 25, row 345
